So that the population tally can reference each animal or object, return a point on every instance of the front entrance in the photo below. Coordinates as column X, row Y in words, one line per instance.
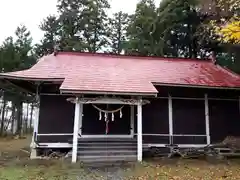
column 94, row 123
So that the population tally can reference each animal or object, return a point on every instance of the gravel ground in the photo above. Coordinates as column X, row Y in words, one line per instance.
column 109, row 173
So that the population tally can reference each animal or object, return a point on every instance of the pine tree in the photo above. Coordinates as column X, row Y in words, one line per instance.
column 83, row 25
column 50, row 26
column 94, row 25
column 23, row 47
column 118, row 26
column 142, row 28
column 70, row 27
column 9, row 58
column 16, row 55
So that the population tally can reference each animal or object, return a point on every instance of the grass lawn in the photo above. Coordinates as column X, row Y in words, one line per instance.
column 15, row 165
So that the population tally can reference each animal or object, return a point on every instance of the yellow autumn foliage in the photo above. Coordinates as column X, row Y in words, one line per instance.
column 228, row 29
column 230, row 32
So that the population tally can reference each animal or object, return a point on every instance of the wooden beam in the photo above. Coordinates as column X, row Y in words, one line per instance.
column 106, row 100
column 16, row 85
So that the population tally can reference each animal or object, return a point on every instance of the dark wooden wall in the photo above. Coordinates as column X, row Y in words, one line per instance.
column 189, row 116
column 56, row 116
column 224, row 119
column 188, row 119
column 155, row 121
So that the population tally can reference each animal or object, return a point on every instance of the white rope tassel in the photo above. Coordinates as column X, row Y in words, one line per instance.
column 106, row 117
column 100, row 115
column 112, row 116
column 121, row 113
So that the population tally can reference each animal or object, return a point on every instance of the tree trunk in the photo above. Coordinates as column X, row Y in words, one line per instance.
column 13, row 117
column 7, row 123
column 19, row 117
column 31, row 115
column 3, row 115
column 26, row 120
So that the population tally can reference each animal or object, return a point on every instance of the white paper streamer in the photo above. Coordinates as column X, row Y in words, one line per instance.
column 112, row 116
column 121, row 113
column 105, row 116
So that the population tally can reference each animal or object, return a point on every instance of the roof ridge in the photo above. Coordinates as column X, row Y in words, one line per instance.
column 130, row 56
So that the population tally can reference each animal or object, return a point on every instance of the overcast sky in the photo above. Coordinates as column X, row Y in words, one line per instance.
column 31, row 13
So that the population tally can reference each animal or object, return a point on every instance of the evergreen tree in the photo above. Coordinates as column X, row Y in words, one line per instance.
column 118, row 26
column 141, row 30
column 83, row 24
column 177, row 25
column 70, row 33
column 9, row 59
column 94, row 23
column 23, row 47
column 15, row 55
column 50, row 27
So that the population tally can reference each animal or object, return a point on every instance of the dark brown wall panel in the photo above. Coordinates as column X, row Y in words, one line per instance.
column 188, row 117
column 155, row 117
column 56, row 115
column 55, row 139
column 224, row 119
column 156, row 140
column 189, row 140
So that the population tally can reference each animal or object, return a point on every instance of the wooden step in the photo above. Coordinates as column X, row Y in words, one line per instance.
column 92, row 148
column 107, row 145
column 105, row 140
column 110, row 158
column 107, row 152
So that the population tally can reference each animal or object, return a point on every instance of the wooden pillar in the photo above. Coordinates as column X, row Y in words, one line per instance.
column 132, row 120
column 239, row 104
column 139, row 131
column 207, row 119
column 36, row 121
column 80, row 120
column 75, row 130
column 170, row 119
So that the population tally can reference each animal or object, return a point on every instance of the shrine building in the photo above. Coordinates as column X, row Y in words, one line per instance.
column 93, row 103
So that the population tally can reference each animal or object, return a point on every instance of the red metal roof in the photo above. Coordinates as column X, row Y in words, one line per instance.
column 85, row 72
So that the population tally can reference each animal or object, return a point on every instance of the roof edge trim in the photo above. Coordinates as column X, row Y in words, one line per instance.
column 64, row 91
column 195, row 86
column 31, row 78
